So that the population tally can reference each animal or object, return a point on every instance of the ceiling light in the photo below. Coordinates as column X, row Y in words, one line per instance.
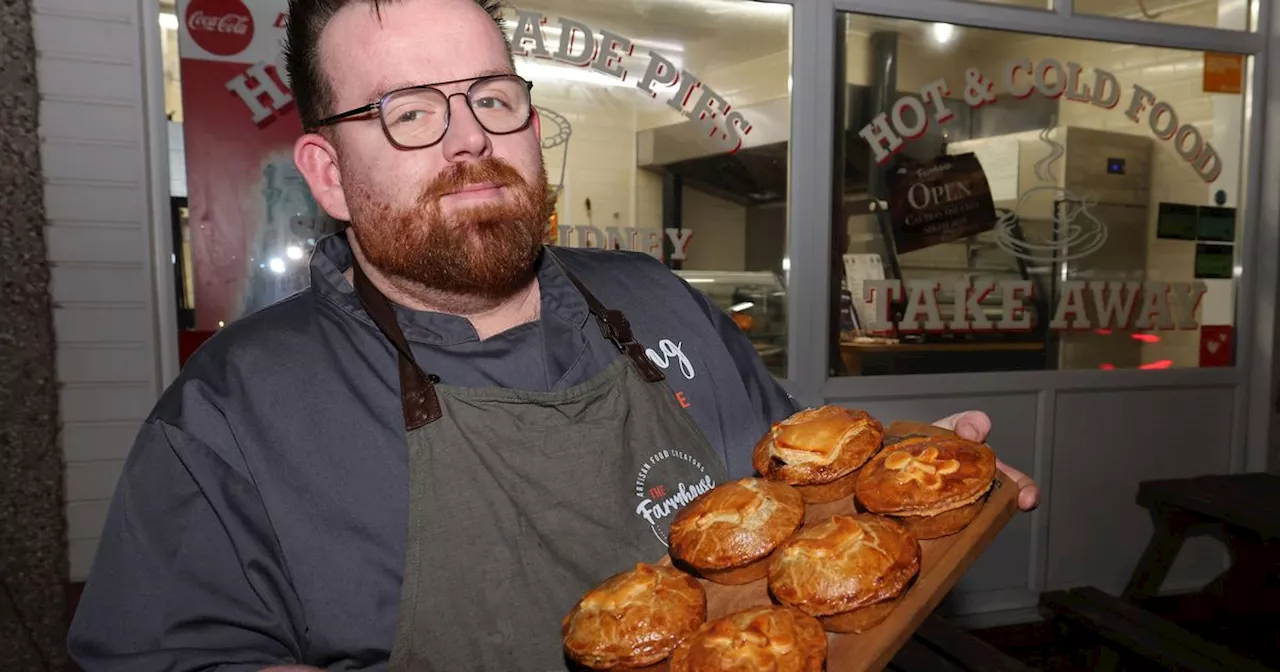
column 168, row 21
column 739, row 307
column 541, row 70
column 943, row 32
column 276, row 265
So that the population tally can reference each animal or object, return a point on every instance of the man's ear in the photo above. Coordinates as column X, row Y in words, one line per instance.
column 317, row 160
column 537, row 125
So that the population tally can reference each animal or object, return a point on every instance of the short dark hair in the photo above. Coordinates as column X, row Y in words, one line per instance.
column 312, row 90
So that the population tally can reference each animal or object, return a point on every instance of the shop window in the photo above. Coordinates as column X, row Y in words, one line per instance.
column 1225, row 14
column 673, row 140
column 1022, row 202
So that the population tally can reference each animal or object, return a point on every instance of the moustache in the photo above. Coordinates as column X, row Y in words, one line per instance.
column 459, row 176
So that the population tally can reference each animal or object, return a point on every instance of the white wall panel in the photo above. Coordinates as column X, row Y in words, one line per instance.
column 91, row 161
column 106, row 402
column 79, row 79
column 85, row 519
column 88, row 481
column 87, row 36
column 89, row 121
column 80, row 284
column 93, row 203
column 80, row 556
column 102, row 325
column 1105, row 444
column 98, row 363
column 89, row 243
column 98, row 441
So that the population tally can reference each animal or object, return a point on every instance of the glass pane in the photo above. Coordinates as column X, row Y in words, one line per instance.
column 1226, row 14
column 637, row 166
column 1021, row 202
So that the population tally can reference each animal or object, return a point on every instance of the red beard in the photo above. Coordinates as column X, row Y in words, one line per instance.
column 487, row 251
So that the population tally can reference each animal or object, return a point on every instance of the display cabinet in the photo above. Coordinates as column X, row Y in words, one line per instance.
column 757, row 303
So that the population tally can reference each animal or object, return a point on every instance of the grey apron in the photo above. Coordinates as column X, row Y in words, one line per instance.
column 522, row 501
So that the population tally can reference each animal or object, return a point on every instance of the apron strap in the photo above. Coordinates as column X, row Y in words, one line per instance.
column 418, row 397
column 614, row 325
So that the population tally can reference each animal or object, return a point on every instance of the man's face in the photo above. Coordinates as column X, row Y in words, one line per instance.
column 465, row 215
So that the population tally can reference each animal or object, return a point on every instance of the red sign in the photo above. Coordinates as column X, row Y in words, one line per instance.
column 221, row 27
column 1216, row 345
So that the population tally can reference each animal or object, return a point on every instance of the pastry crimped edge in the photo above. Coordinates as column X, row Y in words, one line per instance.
column 807, row 632
column 614, row 655
column 785, row 517
column 877, row 465
column 847, row 461
column 894, row 581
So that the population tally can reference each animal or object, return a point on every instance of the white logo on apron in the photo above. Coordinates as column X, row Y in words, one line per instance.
column 669, row 350
column 664, row 486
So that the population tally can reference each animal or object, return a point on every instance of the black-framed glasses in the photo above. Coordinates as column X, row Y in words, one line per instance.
column 418, row 116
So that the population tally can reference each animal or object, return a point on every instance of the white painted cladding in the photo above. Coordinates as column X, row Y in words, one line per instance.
column 93, row 130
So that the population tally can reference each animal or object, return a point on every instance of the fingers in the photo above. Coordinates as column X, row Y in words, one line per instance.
column 1028, row 491
column 971, row 425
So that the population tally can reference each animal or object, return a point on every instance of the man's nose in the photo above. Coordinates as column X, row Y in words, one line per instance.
column 465, row 137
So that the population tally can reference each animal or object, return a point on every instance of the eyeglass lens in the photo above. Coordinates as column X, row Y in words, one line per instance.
column 418, row 117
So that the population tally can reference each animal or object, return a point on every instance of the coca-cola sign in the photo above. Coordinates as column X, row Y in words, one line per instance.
column 220, row 27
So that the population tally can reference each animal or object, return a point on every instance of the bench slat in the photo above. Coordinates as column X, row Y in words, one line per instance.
column 1162, row 645
column 972, row 652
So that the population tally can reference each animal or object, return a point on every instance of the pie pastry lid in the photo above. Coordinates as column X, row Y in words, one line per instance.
column 634, row 618
column 923, row 476
column 756, row 638
column 735, row 525
column 817, row 445
column 844, row 563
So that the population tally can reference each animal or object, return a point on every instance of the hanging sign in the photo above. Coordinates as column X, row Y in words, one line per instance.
column 939, row 201
column 911, row 114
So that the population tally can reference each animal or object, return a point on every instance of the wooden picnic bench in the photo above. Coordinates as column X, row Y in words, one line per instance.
column 1124, row 633
column 939, row 646
column 1242, row 510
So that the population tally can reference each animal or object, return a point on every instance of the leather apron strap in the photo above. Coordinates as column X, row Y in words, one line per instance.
column 418, row 397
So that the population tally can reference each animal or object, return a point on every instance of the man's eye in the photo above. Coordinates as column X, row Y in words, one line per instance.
column 410, row 116
column 491, row 103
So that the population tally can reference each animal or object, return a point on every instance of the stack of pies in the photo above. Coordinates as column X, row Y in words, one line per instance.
column 728, row 535
column 934, row 486
column 819, row 451
column 844, row 575
column 758, row 638
column 635, row 619
column 849, row 571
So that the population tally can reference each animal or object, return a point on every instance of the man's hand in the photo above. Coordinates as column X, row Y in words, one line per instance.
column 975, row 426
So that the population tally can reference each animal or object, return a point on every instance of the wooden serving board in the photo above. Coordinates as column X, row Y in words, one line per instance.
column 943, row 562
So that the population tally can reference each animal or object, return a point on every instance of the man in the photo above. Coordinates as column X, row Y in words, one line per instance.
column 420, row 462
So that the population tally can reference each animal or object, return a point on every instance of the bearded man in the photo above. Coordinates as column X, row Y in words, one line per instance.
column 424, row 459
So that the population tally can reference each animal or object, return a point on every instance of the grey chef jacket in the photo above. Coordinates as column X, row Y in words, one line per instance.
column 262, row 513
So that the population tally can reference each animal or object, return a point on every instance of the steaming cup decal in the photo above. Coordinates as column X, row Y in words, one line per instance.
column 1078, row 232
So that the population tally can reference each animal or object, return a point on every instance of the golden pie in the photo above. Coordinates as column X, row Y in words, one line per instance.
column 934, row 485
column 819, row 451
column 634, row 619
column 772, row 637
column 849, row 572
column 728, row 534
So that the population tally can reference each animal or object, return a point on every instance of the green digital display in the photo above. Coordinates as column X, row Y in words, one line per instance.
column 1177, row 221
column 1216, row 224
column 1215, row 261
